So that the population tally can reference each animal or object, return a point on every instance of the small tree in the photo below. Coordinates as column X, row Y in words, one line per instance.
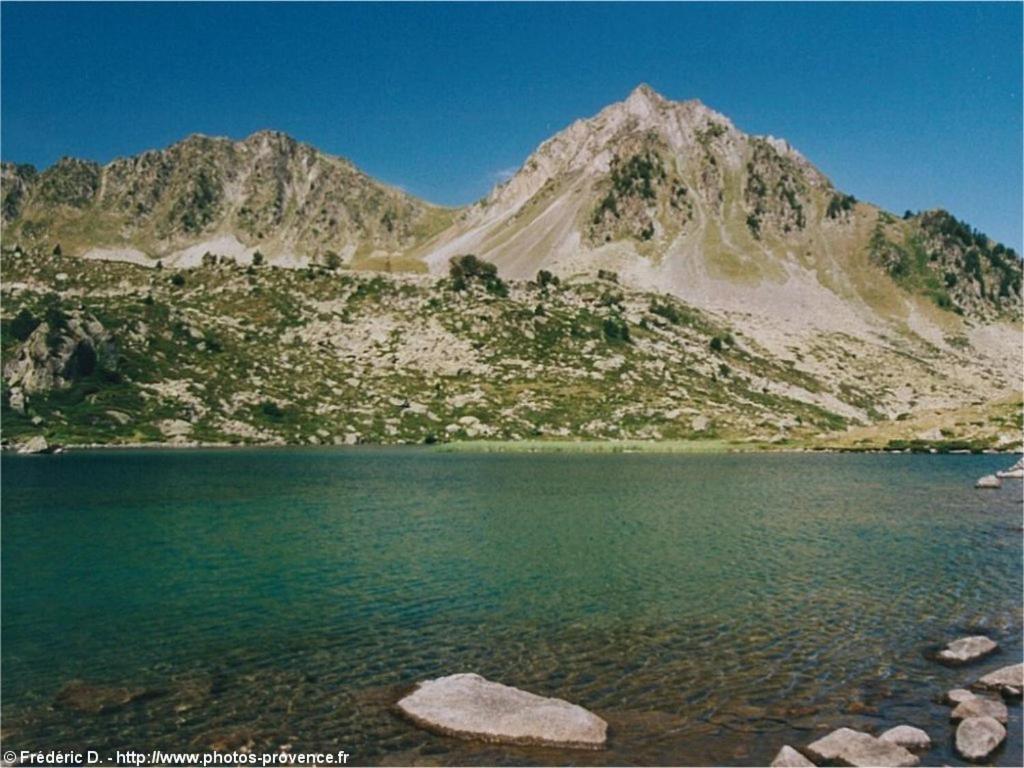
column 177, row 279
column 545, row 278
column 332, row 260
column 467, row 269
column 257, row 259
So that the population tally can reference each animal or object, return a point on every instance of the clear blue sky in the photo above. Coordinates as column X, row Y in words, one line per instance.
column 906, row 105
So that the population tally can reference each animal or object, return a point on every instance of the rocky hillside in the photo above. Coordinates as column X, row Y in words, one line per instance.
column 223, row 298
column 268, row 194
column 675, row 197
column 106, row 352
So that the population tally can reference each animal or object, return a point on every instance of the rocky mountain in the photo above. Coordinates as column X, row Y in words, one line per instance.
column 657, row 273
column 268, row 194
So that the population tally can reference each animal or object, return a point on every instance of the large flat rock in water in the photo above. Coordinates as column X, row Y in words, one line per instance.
column 967, row 649
column 1009, row 680
column 849, row 747
column 470, row 707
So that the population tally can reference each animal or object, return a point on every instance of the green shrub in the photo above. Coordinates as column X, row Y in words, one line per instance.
column 177, row 279
column 468, row 269
column 616, row 329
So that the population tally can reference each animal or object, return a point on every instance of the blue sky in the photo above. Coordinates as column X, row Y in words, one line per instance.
column 906, row 105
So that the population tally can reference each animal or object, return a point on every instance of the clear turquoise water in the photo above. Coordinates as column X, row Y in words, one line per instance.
column 711, row 608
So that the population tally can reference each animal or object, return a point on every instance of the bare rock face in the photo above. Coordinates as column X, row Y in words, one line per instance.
column 1009, row 680
column 790, row 758
column 979, row 707
column 470, row 707
column 978, row 737
column 53, row 357
column 988, row 481
column 856, row 748
column 907, row 736
column 967, row 649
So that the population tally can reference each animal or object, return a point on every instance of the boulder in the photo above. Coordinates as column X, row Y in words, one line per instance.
column 977, row 737
column 967, row 649
column 979, row 707
column 1008, row 680
column 790, row 758
column 988, row 481
column 907, row 736
column 470, row 707
column 958, row 695
column 35, row 444
column 857, row 748
column 17, row 400
column 1015, row 472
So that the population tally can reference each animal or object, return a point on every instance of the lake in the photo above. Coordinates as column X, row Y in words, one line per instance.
column 710, row 607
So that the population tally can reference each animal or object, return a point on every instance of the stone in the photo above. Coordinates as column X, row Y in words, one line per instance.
column 958, row 695
column 967, row 649
column 790, row 758
column 468, row 706
column 1007, row 680
column 907, row 736
column 978, row 737
column 857, row 748
column 17, row 399
column 1015, row 472
column 96, row 699
column 988, row 481
column 35, row 444
column 979, row 707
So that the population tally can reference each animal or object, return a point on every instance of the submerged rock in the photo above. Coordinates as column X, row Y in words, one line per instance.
column 978, row 737
column 95, row 699
column 790, row 758
column 988, row 481
column 471, row 707
column 1008, row 680
column 979, row 707
column 857, row 748
column 907, row 736
column 967, row 649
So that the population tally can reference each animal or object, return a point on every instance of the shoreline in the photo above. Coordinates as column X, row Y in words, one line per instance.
column 561, row 446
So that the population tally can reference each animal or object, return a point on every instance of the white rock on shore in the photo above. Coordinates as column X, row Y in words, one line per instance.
column 988, row 481
column 36, row 444
column 471, row 707
column 977, row 737
column 857, row 748
column 967, row 649
column 790, row 758
column 907, row 736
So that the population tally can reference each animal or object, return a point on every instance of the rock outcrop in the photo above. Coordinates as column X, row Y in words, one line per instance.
column 60, row 350
column 470, row 707
column 989, row 481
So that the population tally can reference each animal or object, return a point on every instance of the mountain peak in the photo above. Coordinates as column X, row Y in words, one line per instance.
column 643, row 99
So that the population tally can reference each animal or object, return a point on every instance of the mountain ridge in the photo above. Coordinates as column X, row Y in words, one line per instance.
column 649, row 197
